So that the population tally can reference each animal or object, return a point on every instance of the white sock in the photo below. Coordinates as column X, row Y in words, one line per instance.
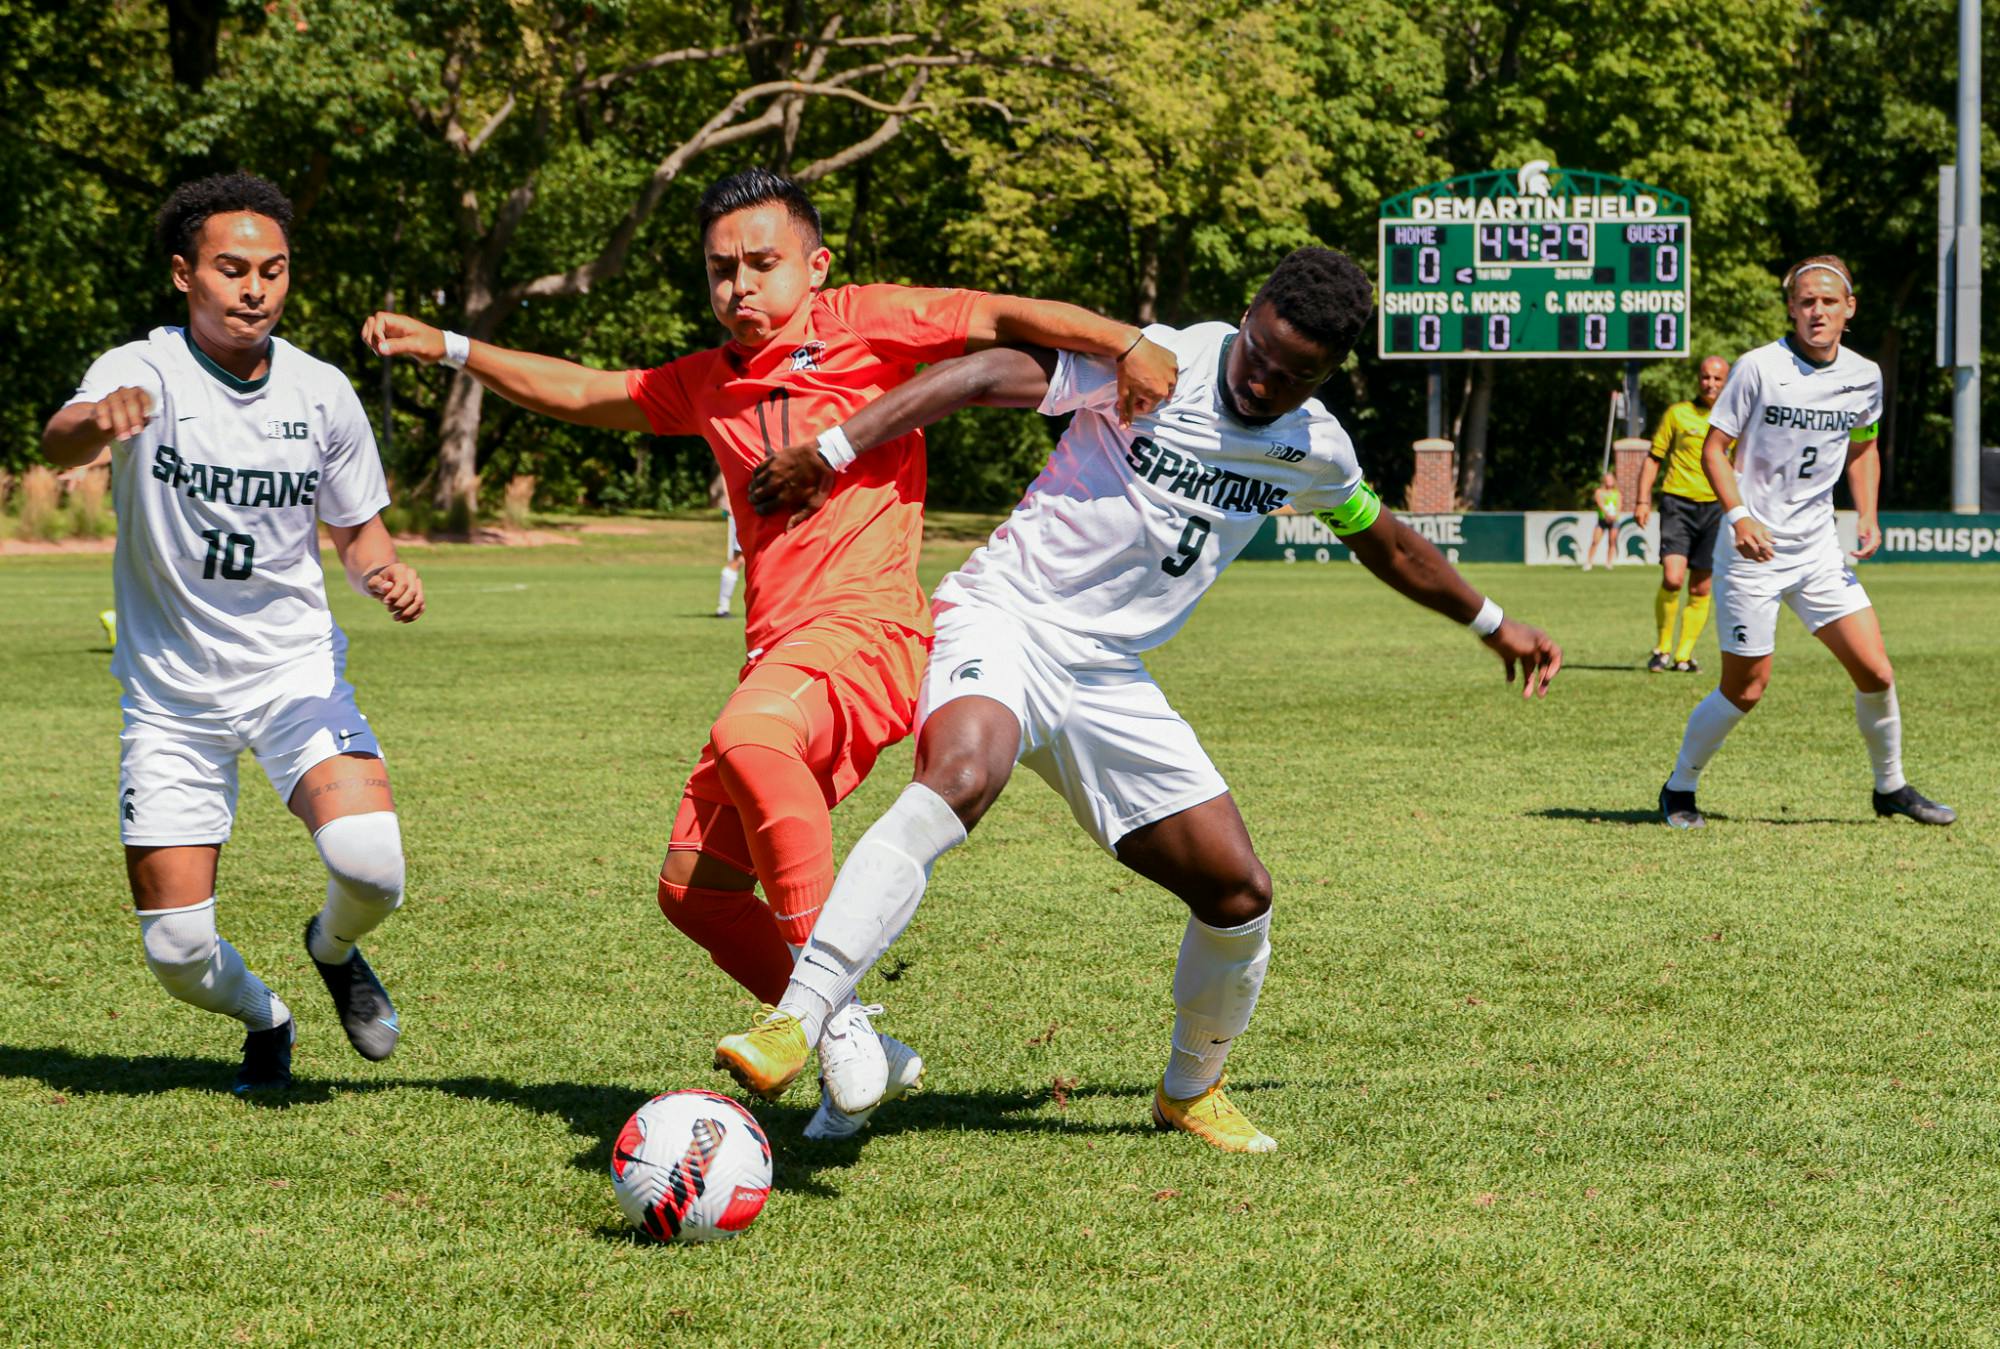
column 874, row 897
column 364, row 885
column 200, row 968
column 1713, row 718
column 727, row 590
column 1216, row 982
column 1881, row 723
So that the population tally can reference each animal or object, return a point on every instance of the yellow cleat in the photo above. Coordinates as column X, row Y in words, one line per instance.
column 1211, row 1118
column 765, row 1058
column 109, row 618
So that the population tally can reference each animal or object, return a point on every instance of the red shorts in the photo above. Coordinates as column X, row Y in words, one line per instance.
column 872, row 672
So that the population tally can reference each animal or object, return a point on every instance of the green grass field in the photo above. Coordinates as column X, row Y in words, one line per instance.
column 1542, row 1071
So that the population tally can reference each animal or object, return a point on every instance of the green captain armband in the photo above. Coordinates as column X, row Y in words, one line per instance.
column 1861, row 435
column 1354, row 514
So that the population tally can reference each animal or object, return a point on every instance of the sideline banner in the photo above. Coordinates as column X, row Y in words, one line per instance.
column 1559, row 538
column 1485, row 537
column 1934, row 536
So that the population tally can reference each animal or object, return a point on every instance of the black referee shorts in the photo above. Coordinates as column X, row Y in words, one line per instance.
column 1688, row 529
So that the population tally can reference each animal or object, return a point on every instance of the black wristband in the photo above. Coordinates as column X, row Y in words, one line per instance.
column 1135, row 345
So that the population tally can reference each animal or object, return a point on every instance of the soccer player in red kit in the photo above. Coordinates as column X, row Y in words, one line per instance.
column 838, row 626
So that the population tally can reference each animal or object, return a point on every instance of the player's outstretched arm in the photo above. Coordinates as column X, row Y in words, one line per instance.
column 1753, row 539
column 369, row 556
column 1146, row 370
column 798, row 477
column 555, row 388
column 80, row 432
column 1412, row 566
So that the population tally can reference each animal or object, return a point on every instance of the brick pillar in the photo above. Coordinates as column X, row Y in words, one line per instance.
column 1628, row 454
column 1434, row 486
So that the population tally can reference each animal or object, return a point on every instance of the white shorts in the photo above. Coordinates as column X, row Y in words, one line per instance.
column 1817, row 583
column 177, row 773
column 1098, row 730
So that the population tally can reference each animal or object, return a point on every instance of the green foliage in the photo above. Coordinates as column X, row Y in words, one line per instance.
column 1149, row 159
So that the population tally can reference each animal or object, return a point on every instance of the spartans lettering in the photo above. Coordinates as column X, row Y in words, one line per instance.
column 235, row 486
column 1186, row 476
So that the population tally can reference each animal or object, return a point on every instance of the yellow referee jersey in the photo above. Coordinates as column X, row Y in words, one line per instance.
column 1677, row 447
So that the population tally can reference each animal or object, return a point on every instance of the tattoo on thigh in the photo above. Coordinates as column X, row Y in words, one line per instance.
column 342, row 784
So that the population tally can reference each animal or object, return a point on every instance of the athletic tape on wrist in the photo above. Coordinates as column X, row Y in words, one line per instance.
column 457, row 350
column 836, row 449
column 1354, row 514
column 1730, row 517
column 1487, row 621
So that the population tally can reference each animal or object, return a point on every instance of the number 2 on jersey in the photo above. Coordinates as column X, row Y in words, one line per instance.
column 1806, row 464
column 232, row 554
column 1192, row 539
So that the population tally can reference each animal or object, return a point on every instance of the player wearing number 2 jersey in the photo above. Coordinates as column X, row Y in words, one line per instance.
column 231, row 448
column 1801, row 410
column 837, row 626
column 1041, row 638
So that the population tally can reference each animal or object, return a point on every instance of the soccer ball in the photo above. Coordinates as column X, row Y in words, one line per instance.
column 691, row 1166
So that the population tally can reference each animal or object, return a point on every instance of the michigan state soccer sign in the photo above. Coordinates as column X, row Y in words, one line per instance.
column 1533, row 262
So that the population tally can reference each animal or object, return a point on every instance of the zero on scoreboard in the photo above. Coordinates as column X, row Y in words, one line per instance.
column 1535, row 262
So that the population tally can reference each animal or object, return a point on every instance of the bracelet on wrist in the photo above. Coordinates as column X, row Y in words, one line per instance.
column 1134, row 346
column 457, row 350
column 1487, row 621
column 1731, row 516
column 836, row 449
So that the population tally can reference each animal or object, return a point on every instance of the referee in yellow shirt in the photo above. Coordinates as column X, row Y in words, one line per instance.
column 1690, row 519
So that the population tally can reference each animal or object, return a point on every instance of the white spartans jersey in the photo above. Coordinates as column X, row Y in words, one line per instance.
column 1792, row 420
column 217, row 573
column 1123, row 530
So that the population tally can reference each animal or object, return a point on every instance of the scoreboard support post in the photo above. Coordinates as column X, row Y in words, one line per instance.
column 1635, row 411
column 1434, row 400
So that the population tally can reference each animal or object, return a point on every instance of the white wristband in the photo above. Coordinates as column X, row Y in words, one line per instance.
column 1730, row 517
column 1487, row 621
column 836, row 450
column 457, row 350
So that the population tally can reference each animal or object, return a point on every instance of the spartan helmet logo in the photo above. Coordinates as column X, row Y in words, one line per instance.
column 1533, row 178
column 1560, row 540
column 1741, row 634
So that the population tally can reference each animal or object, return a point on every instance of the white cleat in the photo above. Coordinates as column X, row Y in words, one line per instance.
column 906, row 1073
column 853, row 1064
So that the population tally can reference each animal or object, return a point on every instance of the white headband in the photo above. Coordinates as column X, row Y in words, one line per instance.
column 1824, row 267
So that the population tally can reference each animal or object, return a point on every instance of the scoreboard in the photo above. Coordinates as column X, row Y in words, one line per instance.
column 1536, row 262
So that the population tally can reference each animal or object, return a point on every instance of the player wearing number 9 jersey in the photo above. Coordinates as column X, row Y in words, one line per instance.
column 1041, row 642
column 230, row 447
column 1800, row 410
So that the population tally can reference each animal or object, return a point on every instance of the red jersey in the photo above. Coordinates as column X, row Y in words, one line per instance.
column 857, row 554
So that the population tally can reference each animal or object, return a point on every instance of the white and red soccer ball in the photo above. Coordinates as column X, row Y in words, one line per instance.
column 691, row 1166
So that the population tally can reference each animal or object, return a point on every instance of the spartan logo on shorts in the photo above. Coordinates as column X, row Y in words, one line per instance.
column 125, row 804
column 1742, row 633
column 969, row 670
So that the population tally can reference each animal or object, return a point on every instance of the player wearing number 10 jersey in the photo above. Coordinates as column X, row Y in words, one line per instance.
column 230, row 448
column 1041, row 642
column 1801, row 410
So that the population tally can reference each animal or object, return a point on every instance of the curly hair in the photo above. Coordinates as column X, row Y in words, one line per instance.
column 755, row 187
column 190, row 205
column 1323, row 294
column 1820, row 262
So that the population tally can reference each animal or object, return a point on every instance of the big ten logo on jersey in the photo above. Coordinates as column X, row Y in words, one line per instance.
column 277, row 430
column 1285, row 454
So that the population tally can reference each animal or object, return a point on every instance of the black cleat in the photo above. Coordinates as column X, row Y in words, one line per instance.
column 1679, row 810
column 1688, row 666
column 1907, row 800
column 267, row 1061
column 366, row 1013
column 1659, row 663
